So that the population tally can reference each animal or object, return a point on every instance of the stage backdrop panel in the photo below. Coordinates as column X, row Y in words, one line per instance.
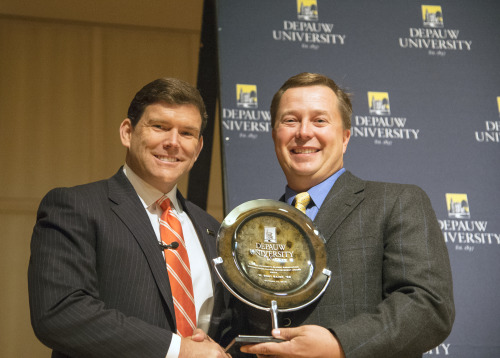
column 425, row 80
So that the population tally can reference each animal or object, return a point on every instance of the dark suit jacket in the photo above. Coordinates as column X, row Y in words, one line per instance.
column 391, row 290
column 98, row 285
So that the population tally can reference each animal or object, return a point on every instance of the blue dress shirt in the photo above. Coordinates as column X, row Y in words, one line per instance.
column 318, row 194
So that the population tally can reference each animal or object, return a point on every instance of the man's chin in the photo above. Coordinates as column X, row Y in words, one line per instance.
column 299, row 175
column 303, row 172
column 163, row 183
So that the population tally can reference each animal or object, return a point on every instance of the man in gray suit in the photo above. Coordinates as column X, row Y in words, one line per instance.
column 98, row 282
column 391, row 290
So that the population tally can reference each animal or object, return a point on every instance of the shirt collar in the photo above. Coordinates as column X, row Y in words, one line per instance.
column 318, row 192
column 148, row 193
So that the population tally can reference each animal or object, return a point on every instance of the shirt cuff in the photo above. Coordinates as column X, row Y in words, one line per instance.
column 175, row 347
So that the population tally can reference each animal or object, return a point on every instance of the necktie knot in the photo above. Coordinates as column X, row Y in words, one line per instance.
column 164, row 203
column 302, row 200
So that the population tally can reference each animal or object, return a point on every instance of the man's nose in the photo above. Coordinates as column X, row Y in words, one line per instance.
column 171, row 138
column 305, row 130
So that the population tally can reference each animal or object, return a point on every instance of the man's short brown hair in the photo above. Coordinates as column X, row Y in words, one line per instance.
column 170, row 91
column 306, row 79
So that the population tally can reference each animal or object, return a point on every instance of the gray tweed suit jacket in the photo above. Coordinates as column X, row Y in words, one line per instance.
column 391, row 291
column 98, row 285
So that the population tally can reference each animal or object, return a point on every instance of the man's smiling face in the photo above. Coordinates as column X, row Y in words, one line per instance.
column 309, row 137
column 164, row 144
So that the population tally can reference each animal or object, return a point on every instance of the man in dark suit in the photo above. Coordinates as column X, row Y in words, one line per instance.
column 391, row 290
column 98, row 281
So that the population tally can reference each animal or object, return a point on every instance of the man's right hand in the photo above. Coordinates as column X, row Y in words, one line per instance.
column 201, row 345
column 300, row 342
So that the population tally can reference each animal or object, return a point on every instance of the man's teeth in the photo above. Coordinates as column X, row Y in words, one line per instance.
column 304, row 151
column 166, row 159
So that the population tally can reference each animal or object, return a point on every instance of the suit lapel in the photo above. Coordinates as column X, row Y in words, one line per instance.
column 126, row 204
column 345, row 195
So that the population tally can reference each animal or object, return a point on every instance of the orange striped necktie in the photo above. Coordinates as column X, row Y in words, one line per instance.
column 179, row 272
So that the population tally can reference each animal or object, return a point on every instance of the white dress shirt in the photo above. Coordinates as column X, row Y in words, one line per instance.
column 200, row 271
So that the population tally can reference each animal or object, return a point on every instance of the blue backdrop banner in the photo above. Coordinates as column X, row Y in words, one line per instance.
column 425, row 85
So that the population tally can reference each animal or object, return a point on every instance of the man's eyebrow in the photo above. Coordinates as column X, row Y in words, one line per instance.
column 290, row 111
column 168, row 123
column 156, row 120
column 192, row 128
column 314, row 111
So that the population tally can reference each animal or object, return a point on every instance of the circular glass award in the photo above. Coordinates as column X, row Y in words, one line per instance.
column 271, row 254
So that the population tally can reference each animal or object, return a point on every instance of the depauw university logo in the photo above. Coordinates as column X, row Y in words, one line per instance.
column 270, row 234
column 378, row 103
column 246, row 96
column 307, row 10
column 458, row 206
column 432, row 16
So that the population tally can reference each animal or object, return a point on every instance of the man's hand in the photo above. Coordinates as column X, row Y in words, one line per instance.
column 201, row 345
column 304, row 341
column 199, row 336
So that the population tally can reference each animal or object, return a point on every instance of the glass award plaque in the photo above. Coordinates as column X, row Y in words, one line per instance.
column 271, row 257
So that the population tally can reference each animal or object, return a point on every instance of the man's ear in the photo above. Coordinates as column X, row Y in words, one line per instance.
column 346, row 136
column 200, row 147
column 126, row 130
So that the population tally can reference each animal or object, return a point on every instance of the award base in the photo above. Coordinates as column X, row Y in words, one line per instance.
column 233, row 348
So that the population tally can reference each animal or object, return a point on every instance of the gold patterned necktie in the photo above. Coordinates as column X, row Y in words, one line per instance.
column 302, row 200
column 178, row 268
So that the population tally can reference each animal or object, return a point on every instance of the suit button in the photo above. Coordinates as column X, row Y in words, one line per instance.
column 287, row 322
